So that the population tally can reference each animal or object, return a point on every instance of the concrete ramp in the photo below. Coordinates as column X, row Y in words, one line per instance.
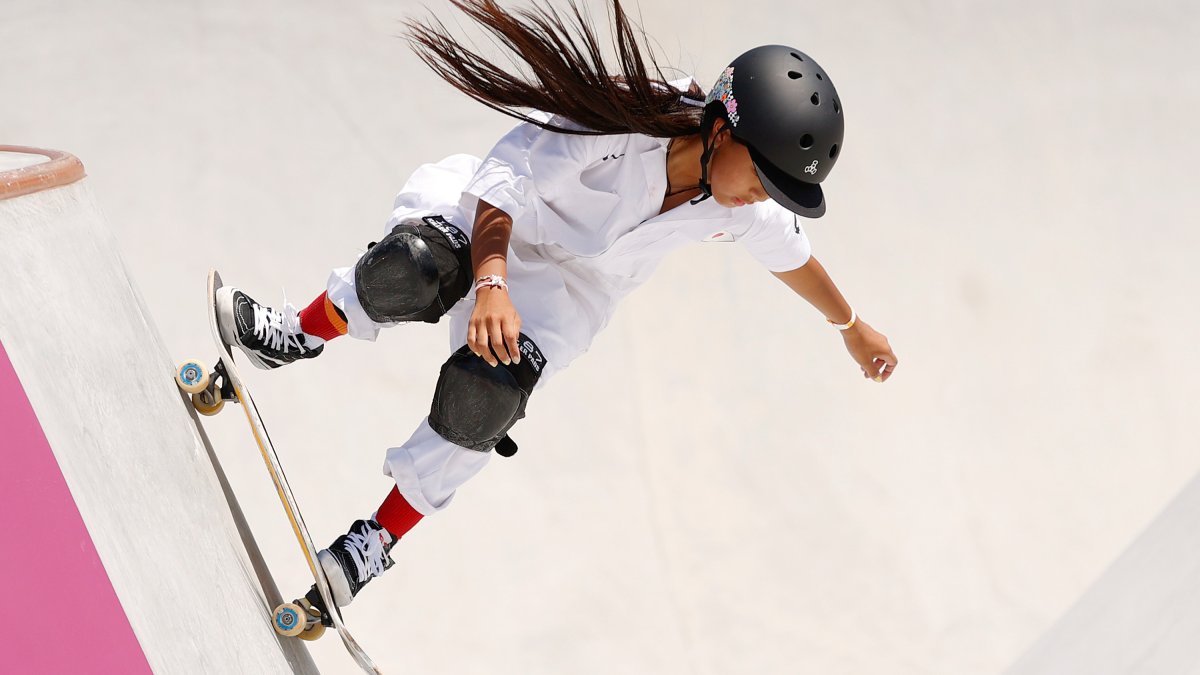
column 123, row 549
column 1143, row 615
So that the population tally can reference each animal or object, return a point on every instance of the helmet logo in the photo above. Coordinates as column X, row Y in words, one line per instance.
column 723, row 91
column 811, row 168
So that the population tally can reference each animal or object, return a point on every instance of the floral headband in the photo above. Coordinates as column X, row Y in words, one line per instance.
column 723, row 91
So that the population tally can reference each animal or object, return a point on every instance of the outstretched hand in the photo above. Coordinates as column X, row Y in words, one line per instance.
column 494, row 327
column 870, row 349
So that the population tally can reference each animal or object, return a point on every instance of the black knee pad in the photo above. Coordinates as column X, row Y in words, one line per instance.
column 416, row 273
column 476, row 404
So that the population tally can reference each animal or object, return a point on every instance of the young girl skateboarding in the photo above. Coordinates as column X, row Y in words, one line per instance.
column 529, row 250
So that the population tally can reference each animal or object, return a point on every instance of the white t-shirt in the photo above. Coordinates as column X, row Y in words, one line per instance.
column 586, row 227
column 596, row 199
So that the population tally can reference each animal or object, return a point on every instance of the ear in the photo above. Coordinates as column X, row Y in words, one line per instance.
column 720, row 132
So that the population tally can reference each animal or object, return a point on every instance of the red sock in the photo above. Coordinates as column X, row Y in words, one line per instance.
column 323, row 319
column 396, row 515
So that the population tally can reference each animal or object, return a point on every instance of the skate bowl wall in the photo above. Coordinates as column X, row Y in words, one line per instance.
column 122, row 553
column 1140, row 616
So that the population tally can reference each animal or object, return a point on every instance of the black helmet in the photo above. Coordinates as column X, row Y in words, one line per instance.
column 783, row 107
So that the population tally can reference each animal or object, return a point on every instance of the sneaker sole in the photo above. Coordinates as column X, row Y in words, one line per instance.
column 339, row 588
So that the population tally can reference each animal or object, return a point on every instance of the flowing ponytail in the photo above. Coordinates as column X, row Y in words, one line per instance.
column 569, row 75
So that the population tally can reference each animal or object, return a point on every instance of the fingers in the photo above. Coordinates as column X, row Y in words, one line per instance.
column 887, row 363
column 881, row 367
column 477, row 340
column 480, row 336
column 510, row 339
column 495, row 339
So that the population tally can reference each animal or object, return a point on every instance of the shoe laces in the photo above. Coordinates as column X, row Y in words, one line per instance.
column 279, row 329
column 369, row 551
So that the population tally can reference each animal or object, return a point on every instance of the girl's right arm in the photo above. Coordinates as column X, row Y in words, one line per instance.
column 494, row 326
column 505, row 186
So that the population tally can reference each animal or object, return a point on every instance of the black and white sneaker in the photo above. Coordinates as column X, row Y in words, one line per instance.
column 269, row 337
column 355, row 558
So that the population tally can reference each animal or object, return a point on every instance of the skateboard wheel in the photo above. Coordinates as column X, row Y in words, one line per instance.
column 315, row 628
column 192, row 376
column 313, row 633
column 289, row 619
column 208, row 402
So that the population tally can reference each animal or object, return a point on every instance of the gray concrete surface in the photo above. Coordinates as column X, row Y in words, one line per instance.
column 1141, row 616
column 100, row 381
column 714, row 489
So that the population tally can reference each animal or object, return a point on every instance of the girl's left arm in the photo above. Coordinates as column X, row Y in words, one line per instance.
column 868, row 347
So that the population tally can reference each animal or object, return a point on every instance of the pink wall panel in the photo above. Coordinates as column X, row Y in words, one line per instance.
column 63, row 615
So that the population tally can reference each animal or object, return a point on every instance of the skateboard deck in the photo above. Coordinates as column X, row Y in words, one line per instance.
column 210, row 390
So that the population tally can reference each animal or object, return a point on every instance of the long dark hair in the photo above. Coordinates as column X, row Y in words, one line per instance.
column 569, row 75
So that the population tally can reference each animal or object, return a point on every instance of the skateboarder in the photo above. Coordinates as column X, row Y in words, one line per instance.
column 529, row 250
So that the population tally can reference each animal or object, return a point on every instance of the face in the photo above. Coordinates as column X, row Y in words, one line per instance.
column 731, row 172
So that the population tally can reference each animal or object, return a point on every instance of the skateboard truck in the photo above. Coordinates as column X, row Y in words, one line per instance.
column 210, row 387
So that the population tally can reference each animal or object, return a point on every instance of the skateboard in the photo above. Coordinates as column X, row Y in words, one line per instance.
column 210, row 390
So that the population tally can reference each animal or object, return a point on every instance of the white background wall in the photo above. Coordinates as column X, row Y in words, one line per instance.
column 714, row 489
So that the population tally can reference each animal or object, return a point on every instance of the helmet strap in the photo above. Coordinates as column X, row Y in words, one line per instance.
column 705, row 131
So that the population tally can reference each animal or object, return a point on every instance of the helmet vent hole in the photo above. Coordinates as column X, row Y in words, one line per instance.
column 816, row 99
column 798, row 57
column 837, row 108
column 833, row 151
column 806, row 141
column 819, row 77
column 794, row 75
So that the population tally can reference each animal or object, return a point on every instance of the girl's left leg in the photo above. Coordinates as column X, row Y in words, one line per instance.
column 474, row 406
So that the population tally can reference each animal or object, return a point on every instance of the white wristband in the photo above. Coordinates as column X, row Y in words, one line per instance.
column 848, row 324
column 491, row 281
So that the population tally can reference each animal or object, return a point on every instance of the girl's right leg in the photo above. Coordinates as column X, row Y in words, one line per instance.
column 418, row 270
column 415, row 273
column 269, row 337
